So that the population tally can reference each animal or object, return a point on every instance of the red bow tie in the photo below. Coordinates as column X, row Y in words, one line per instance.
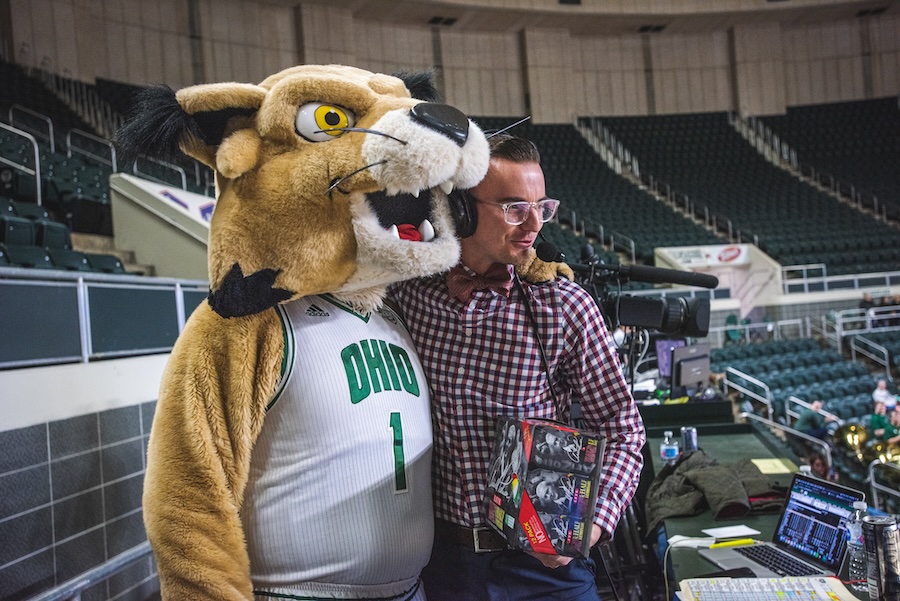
column 461, row 283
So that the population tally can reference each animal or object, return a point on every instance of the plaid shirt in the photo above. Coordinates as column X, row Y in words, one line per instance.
column 482, row 361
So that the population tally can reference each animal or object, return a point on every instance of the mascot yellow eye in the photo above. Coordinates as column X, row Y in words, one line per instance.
column 318, row 122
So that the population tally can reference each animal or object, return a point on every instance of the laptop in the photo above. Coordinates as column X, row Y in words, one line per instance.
column 809, row 540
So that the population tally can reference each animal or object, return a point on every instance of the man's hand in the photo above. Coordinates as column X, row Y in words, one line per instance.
column 557, row 561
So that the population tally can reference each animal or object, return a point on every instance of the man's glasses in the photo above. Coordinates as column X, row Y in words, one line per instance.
column 516, row 213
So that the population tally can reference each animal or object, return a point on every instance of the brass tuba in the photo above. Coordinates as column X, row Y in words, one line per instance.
column 851, row 439
column 879, row 449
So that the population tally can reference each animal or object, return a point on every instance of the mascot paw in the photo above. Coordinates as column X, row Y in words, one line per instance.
column 231, row 300
column 536, row 271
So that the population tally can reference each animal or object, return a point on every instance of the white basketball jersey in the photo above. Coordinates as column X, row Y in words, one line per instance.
column 338, row 503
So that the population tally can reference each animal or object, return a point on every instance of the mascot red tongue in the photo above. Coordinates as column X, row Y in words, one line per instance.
column 408, row 231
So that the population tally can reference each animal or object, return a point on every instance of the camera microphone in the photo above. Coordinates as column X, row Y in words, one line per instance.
column 546, row 251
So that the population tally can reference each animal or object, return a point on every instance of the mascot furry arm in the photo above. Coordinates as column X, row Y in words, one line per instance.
column 316, row 167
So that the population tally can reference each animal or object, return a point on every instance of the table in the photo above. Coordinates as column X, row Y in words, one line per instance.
column 685, row 562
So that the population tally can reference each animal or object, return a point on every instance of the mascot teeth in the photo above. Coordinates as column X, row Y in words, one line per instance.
column 447, row 187
column 393, row 231
column 415, row 193
column 427, row 231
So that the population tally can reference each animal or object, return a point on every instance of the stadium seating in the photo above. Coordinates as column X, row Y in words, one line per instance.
column 800, row 368
column 857, row 142
column 702, row 156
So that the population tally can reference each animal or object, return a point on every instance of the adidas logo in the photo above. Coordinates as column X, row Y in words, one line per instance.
column 316, row 311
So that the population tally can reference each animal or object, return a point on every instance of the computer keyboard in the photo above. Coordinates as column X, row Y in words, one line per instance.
column 777, row 561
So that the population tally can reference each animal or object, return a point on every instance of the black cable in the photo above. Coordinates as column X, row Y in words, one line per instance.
column 527, row 305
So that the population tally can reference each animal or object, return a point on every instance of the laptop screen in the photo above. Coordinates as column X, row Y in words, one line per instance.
column 812, row 523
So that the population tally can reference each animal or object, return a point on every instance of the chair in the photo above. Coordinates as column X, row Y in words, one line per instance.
column 52, row 234
column 733, row 335
column 29, row 256
column 29, row 210
column 105, row 263
column 16, row 231
column 70, row 260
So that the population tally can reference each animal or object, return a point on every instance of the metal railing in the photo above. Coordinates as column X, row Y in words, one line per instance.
column 764, row 329
column 875, row 486
column 18, row 108
column 72, row 293
column 106, row 144
column 877, row 353
column 765, row 398
column 791, row 414
column 621, row 242
column 71, row 590
column 168, row 166
column 836, row 325
column 821, row 444
column 850, row 281
column 36, row 172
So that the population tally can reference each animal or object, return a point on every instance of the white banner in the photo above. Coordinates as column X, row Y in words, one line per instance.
column 197, row 206
column 709, row 256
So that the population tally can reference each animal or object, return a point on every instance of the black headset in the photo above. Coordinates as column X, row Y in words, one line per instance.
column 463, row 212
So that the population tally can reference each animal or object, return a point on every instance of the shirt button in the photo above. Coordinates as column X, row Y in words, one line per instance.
column 459, row 408
column 464, row 446
column 468, row 332
column 460, row 370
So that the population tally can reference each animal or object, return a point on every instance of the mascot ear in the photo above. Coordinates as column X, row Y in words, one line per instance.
column 420, row 84
column 164, row 124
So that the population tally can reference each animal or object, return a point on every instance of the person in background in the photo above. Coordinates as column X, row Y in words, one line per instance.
column 493, row 345
column 819, row 467
column 881, row 393
column 867, row 302
column 880, row 420
column 891, row 434
column 812, row 422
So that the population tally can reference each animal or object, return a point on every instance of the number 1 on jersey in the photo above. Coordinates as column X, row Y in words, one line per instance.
column 399, row 458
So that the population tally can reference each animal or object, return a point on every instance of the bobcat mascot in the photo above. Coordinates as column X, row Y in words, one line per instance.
column 290, row 452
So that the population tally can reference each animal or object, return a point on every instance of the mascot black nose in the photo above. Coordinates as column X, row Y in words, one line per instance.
column 442, row 118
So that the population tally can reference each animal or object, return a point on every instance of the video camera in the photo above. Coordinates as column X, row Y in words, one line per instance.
column 670, row 315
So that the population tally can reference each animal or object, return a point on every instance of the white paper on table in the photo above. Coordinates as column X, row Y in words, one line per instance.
column 730, row 531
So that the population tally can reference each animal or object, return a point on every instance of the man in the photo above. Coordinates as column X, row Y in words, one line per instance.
column 880, row 421
column 483, row 360
column 881, row 393
column 812, row 422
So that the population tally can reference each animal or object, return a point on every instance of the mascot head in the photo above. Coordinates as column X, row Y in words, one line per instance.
column 329, row 179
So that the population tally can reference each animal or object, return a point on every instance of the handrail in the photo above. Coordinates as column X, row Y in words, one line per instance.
column 798, row 401
column 36, row 172
column 71, row 589
column 628, row 245
column 858, row 321
column 826, row 450
column 136, row 171
column 82, row 283
column 112, row 149
column 767, row 400
column 775, row 327
column 843, row 282
column 40, row 116
column 877, row 353
column 875, row 486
